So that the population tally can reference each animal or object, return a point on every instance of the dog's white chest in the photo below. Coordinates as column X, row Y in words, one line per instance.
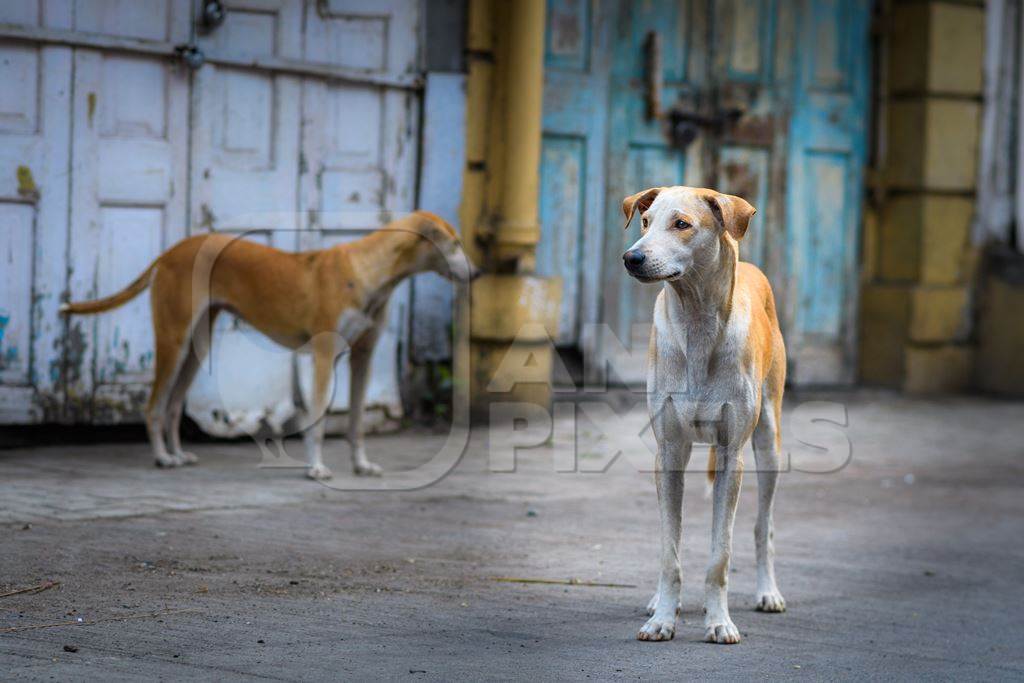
column 700, row 385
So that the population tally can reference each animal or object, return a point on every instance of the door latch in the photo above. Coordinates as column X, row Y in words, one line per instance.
column 684, row 126
column 190, row 55
column 681, row 126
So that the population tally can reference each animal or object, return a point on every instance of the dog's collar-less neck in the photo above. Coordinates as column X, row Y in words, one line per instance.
column 381, row 260
column 699, row 308
column 705, row 295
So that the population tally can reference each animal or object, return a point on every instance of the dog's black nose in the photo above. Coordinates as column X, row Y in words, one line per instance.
column 633, row 258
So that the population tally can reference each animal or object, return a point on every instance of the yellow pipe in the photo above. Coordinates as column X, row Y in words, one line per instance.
column 479, row 82
column 515, row 312
column 523, row 85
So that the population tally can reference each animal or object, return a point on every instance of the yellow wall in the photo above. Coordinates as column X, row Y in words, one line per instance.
column 915, row 305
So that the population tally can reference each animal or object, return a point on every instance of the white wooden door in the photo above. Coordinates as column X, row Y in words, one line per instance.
column 245, row 129
column 359, row 144
column 301, row 162
column 299, row 131
column 129, row 155
column 245, row 165
column 34, row 165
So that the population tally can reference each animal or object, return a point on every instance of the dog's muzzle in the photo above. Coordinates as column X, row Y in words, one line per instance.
column 634, row 260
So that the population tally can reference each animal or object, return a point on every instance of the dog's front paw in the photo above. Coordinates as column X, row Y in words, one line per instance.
column 319, row 473
column 770, row 601
column 367, row 469
column 657, row 628
column 724, row 633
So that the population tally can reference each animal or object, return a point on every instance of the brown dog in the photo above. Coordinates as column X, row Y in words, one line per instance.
column 323, row 302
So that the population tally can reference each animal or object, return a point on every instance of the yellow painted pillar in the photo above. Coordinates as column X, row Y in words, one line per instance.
column 514, row 311
column 479, row 81
column 915, row 317
column 519, row 228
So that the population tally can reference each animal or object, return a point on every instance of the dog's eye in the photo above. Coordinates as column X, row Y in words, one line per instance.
column 681, row 225
column 643, row 221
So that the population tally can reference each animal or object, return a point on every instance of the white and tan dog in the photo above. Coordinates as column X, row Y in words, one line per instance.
column 323, row 302
column 716, row 372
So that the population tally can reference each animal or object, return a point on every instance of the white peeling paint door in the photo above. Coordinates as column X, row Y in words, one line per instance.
column 129, row 138
column 34, row 165
column 359, row 155
column 300, row 163
column 245, row 166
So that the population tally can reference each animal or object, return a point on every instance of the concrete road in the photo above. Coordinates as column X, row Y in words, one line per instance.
column 906, row 562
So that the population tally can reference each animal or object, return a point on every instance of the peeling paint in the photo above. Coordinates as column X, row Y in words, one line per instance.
column 741, row 180
column 27, row 187
column 49, row 406
column 76, row 348
column 207, row 219
column 565, row 34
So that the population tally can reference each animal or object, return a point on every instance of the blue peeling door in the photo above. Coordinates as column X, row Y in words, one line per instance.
column 797, row 74
column 780, row 90
column 827, row 150
column 572, row 160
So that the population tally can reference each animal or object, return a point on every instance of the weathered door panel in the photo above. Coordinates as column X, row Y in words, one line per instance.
column 745, row 172
column 753, row 75
column 788, row 79
column 129, row 161
column 826, row 160
column 245, row 167
column 640, row 155
column 572, row 154
column 35, row 110
column 359, row 154
column 245, row 129
column 87, row 212
column 329, row 161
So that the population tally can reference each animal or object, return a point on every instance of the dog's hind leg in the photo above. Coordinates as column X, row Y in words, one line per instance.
column 194, row 355
column 172, row 321
column 168, row 358
column 767, row 455
column 725, row 494
column 672, row 460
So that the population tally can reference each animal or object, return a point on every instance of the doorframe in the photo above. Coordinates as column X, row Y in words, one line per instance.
column 276, row 66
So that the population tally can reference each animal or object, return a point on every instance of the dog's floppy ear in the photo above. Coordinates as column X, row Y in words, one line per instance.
column 732, row 212
column 641, row 201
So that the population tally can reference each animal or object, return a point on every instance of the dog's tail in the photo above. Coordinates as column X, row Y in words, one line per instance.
column 114, row 300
